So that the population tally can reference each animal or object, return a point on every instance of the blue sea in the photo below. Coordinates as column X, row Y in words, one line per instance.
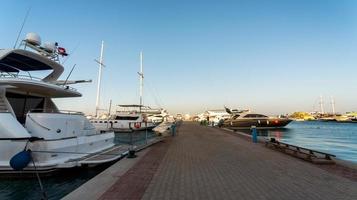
column 336, row 138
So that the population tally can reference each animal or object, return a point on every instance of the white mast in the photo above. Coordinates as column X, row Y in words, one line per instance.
column 99, row 79
column 321, row 105
column 141, row 76
column 333, row 105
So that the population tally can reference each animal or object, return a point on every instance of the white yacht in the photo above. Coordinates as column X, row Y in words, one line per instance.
column 126, row 119
column 29, row 119
column 155, row 115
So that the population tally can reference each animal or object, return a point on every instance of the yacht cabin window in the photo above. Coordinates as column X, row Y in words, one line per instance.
column 255, row 116
column 236, row 116
column 126, row 118
column 22, row 104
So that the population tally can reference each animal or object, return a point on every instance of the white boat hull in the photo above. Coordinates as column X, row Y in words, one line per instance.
column 55, row 154
column 123, row 126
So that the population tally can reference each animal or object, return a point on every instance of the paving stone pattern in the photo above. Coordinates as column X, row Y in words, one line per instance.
column 208, row 163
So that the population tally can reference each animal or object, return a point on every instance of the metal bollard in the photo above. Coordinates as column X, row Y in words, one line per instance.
column 173, row 129
column 131, row 153
column 254, row 134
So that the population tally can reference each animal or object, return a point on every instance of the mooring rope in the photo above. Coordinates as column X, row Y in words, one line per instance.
column 44, row 194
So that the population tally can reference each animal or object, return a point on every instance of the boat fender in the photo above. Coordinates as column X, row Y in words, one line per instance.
column 137, row 125
column 20, row 160
column 267, row 122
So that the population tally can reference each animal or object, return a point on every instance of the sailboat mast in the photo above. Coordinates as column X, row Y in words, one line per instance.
column 99, row 80
column 333, row 105
column 141, row 74
column 321, row 105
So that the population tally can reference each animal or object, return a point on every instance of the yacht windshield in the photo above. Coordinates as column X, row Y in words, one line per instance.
column 22, row 104
column 126, row 118
column 255, row 116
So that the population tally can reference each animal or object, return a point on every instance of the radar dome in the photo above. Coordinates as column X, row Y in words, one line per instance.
column 33, row 38
column 50, row 47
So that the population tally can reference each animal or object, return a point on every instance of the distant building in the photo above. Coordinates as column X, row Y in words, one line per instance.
column 302, row 116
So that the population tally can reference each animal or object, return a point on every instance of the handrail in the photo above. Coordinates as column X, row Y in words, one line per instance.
column 68, row 112
column 44, row 127
column 16, row 69
column 311, row 151
column 24, row 77
column 9, row 75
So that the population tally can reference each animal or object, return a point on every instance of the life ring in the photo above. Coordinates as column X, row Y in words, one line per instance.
column 137, row 125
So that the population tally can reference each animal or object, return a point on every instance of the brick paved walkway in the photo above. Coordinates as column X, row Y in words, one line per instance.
column 206, row 163
column 134, row 182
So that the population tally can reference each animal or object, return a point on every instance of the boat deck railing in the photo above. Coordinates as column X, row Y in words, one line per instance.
column 66, row 112
column 30, row 77
column 20, row 76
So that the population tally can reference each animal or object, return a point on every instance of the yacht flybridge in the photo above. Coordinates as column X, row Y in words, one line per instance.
column 31, row 122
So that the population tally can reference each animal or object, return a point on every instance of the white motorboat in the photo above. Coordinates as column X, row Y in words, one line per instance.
column 29, row 119
column 155, row 115
column 126, row 119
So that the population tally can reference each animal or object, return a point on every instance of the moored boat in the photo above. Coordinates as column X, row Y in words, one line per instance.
column 245, row 120
column 127, row 118
column 31, row 123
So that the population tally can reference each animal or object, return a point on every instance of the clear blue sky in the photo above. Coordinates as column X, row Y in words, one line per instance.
column 271, row 56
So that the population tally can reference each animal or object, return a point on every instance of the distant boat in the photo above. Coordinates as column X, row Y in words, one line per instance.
column 327, row 119
column 126, row 119
column 245, row 120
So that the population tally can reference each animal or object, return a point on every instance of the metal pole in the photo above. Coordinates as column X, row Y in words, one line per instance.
column 141, row 79
column 333, row 105
column 146, row 132
column 110, row 107
column 131, row 150
column 99, row 79
column 254, row 134
column 321, row 105
column 131, row 136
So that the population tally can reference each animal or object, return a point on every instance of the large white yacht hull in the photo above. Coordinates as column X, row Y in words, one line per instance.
column 60, row 140
column 55, row 154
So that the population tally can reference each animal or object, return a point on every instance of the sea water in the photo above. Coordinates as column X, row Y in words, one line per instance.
column 335, row 138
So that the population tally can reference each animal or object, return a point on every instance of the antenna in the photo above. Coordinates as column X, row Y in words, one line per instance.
column 99, row 78
column 70, row 54
column 141, row 75
column 69, row 75
column 22, row 26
